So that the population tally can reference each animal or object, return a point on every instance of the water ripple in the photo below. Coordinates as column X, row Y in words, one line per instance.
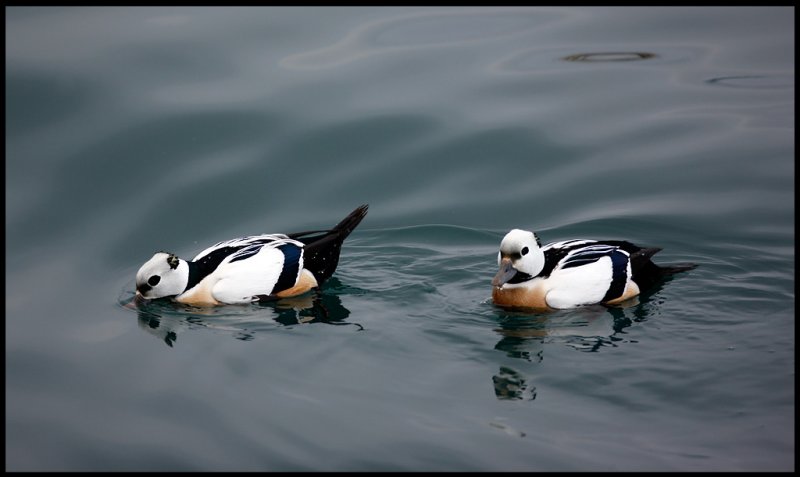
column 422, row 29
column 531, row 60
column 754, row 81
column 610, row 56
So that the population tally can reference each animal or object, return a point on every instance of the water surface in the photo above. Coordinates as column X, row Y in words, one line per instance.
column 132, row 130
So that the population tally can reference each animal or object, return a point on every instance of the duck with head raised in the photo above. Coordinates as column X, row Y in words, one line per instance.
column 573, row 272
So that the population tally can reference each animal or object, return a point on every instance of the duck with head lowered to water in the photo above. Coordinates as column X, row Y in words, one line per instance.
column 248, row 269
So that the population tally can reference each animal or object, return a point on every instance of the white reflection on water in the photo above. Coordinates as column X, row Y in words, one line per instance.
column 423, row 29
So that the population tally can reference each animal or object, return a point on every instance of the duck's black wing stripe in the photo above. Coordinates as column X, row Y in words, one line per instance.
column 203, row 267
column 624, row 245
column 554, row 255
column 551, row 258
column 200, row 269
column 246, row 252
column 291, row 267
column 619, row 275
column 585, row 258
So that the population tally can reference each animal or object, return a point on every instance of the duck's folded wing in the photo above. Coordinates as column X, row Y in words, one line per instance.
column 228, row 247
column 580, row 285
column 592, row 274
column 258, row 270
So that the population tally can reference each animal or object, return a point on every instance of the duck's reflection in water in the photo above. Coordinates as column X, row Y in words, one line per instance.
column 165, row 319
column 510, row 384
column 524, row 336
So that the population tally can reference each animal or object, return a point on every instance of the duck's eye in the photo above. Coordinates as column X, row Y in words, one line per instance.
column 524, row 251
column 153, row 281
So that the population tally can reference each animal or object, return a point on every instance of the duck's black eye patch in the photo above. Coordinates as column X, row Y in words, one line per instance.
column 153, row 281
column 524, row 251
column 172, row 261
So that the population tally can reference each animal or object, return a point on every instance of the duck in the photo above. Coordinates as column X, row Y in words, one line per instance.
column 249, row 269
column 573, row 273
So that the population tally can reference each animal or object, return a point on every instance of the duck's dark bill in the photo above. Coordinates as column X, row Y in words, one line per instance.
column 505, row 273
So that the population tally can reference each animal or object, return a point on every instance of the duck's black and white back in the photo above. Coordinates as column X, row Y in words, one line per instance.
column 248, row 269
column 573, row 272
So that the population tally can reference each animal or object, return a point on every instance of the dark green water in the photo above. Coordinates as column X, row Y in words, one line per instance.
column 132, row 130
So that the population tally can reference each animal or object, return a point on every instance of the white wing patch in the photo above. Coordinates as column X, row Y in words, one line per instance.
column 242, row 242
column 567, row 243
column 240, row 280
column 581, row 285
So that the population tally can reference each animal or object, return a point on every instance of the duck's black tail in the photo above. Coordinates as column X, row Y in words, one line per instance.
column 321, row 255
column 677, row 268
column 646, row 274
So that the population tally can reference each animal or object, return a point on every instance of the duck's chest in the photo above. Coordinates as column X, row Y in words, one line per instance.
column 200, row 295
column 529, row 295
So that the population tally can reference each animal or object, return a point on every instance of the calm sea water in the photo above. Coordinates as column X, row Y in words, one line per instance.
column 133, row 130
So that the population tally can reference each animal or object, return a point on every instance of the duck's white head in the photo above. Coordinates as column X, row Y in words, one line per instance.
column 163, row 275
column 520, row 257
